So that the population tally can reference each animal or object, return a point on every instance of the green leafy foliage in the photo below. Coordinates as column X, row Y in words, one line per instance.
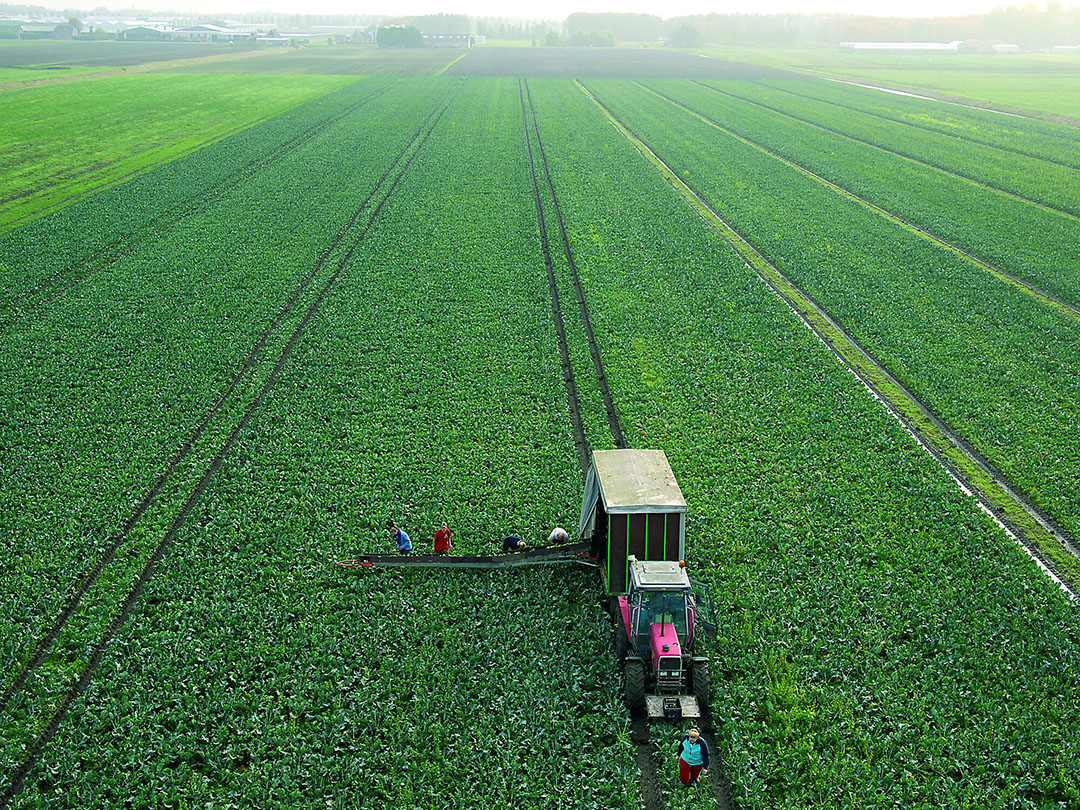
column 62, row 141
column 1030, row 177
column 982, row 355
column 1036, row 244
column 105, row 383
column 881, row 644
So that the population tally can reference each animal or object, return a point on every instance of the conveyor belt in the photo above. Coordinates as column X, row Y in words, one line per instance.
column 574, row 552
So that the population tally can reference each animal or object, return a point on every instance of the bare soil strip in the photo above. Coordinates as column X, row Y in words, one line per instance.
column 143, row 68
column 965, row 178
column 1036, row 532
column 128, row 605
column 117, row 541
column 1066, row 308
column 720, row 779
column 581, row 442
column 914, row 125
column 64, row 279
column 650, row 779
column 614, row 425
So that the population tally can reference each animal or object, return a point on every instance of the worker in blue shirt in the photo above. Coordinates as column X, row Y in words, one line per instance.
column 404, row 544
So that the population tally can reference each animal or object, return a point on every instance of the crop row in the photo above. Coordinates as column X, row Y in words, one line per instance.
column 426, row 387
column 1038, row 180
column 882, row 644
column 1035, row 244
column 1040, row 139
column 989, row 360
column 158, row 346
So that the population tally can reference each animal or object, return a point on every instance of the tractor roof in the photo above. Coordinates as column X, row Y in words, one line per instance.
column 658, row 575
column 637, row 481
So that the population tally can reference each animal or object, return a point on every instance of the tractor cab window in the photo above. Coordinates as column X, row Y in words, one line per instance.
column 669, row 608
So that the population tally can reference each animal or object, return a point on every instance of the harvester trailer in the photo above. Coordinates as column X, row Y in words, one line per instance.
column 633, row 530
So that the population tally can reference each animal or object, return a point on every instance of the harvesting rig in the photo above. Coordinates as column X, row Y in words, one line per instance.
column 634, row 517
column 633, row 529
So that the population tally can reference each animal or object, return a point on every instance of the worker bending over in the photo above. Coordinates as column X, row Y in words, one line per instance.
column 513, row 543
column 558, row 535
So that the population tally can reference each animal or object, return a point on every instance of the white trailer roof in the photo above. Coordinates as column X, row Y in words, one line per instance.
column 637, row 481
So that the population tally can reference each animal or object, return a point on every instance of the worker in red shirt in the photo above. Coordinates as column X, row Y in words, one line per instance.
column 442, row 540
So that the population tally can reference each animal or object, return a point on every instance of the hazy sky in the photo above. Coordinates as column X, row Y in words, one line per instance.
column 559, row 9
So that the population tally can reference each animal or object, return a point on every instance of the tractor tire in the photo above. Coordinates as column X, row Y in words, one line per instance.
column 634, row 683
column 699, row 674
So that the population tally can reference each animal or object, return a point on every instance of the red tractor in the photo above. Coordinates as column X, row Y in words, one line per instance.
column 662, row 618
column 634, row 515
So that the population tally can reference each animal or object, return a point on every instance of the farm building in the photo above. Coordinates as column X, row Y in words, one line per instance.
column 901, row 47
column 210, row 33
column 448, row 40
column 145, row 33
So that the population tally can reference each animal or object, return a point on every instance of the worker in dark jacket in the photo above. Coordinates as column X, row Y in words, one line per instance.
column 442, row 540
column 693, row 757
column 513, row 543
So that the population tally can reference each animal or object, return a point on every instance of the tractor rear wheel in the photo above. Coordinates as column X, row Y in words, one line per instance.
column 634, row 682
column 699, row 673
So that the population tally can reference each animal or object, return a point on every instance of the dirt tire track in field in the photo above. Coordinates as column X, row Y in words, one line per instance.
column 581, row 442
column 128, row 605
column 875, row 377
column 1046, row 297
column 46, row 292
column 651, row 796
column 614, row 425
column 719, row 778
column 980, row 183
column 117, row 541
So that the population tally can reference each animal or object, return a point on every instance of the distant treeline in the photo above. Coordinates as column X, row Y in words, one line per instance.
column 1029, row 26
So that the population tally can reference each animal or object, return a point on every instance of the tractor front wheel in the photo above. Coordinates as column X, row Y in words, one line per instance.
column 634, row 682
column 699, row 672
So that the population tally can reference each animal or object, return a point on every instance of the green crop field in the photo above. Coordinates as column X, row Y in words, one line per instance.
column 1041, row 84
column 125, row 125
column 315, row 303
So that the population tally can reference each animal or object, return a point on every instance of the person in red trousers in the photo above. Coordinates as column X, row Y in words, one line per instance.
column 693, row 757
column 442, row 540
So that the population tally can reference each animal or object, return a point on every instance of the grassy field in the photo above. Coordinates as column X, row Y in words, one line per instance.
column 126, row 124
column 1041, row 83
